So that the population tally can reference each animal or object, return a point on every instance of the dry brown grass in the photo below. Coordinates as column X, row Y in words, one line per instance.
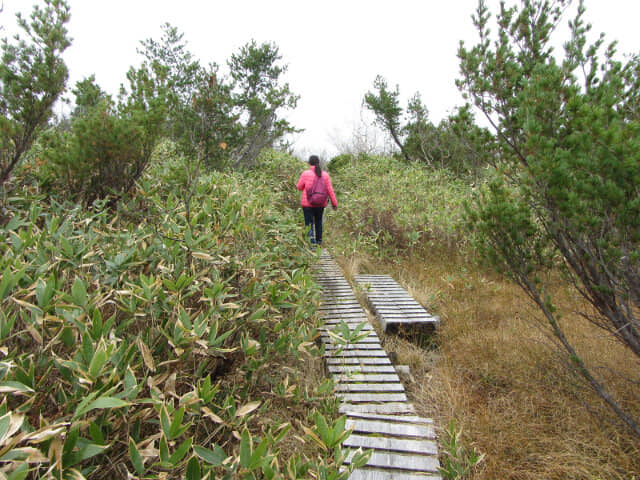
column 496, row 373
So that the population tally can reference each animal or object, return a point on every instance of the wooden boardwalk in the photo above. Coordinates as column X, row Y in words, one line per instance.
column 392, row 305
column 372, row 397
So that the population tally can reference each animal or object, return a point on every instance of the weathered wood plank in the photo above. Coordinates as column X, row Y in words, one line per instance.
column 376, row 378
column 369, row 387
column 371, row 397
column 371, row 339
column 408, row 463
column 358, row 361
column 354, row 346
column 389, row 428
column 375, row 474
column 393, row 418
column 361, row 369
column 355, row 353
column 341, row 309
column 336, row 317
column 352, row 326
column 399, row 408
column 425, row 447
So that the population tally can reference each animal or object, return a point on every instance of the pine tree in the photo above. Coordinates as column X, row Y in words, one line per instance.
column 32, row 78
column 566, row 194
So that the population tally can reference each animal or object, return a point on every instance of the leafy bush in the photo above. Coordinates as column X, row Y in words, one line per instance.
column 102, row 154
column 339, row 162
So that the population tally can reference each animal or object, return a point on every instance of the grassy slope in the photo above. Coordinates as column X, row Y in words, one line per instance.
column 494, row 371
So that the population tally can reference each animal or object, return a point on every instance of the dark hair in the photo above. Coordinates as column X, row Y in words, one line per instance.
column 314, row 160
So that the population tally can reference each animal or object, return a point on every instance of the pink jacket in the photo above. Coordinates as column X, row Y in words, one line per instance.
column 305, row 182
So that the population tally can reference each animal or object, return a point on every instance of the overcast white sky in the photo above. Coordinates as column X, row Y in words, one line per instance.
column 334, row 49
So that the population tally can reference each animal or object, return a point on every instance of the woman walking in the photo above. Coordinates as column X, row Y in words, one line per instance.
column 316, row 192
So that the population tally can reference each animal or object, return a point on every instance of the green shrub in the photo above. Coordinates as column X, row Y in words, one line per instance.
column 102, row 154
column 339, row 162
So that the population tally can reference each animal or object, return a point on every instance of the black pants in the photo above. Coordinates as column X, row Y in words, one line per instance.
column 313, row 220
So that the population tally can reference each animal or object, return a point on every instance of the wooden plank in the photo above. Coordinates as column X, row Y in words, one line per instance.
column 425, row 447
column 372, row 338
column 390, row 428
column 344, row 316
column 357, row 377
column 403, row 319
column 355, row 346
column 351, row 322
column 342, row 308
column 352, row 326
column 414, row 419
column 420, row 463
column 387, row 306
column 371, row 397
column 400, row 314
column 359, row 361
column 361, row 369
column 376, row 474
column 336, row 314
column 355, row 353
column 382, row 408
column 401, row 305
column 349, row 318
column 369, row 387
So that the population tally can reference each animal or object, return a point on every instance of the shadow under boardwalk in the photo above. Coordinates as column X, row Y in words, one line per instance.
column 371, row 395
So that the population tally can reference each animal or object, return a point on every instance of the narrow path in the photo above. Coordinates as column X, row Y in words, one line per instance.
column 372, row 397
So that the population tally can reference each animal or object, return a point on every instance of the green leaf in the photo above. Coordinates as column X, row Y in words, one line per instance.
column 96, row 433
column 165, row 422
column 176, row 429
column 245, row 448
column 136, row 458
column 79, row 292
column 8, row 281
column 323, row 429
column 87, row 451
column 14, row 387
column 258, row 455
column 100, row 403
column 44, row 292
column 193, row 469
column 164, row 450
column 19, row 473
column 98, row 361
column 213, row 457
column 181, row 451
column 5, row 420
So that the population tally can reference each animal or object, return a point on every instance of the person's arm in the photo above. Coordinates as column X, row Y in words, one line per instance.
column 301, row 182
column 332, row 195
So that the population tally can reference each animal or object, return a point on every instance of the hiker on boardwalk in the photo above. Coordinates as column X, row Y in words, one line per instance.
column 316, row 192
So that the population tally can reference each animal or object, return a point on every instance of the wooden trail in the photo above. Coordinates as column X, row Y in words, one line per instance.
column 372, row 397
column 392, row 305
